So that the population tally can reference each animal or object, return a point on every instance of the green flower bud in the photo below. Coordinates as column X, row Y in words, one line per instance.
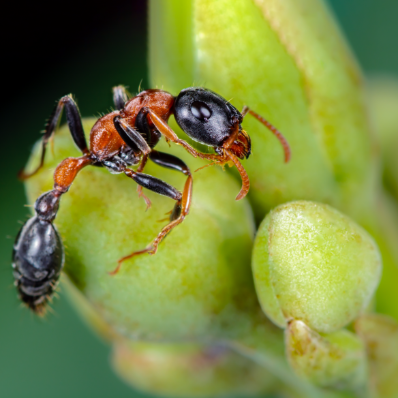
column 380, row 334
column 286, row 60
column 336, row 360
column 314, row 264
column 198, row 282
column 181, row 370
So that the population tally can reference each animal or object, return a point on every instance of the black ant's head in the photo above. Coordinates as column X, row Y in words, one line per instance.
column 208, row 118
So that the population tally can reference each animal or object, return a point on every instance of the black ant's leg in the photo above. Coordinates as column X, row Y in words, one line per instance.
column 168, row 161
column 131, row 136
column 225, row 156
column 183, row 202
column 140, row 192
column 136, row 141
column 120, row 97
column 174, row 163
column 75, row 127
column 152, row 137
column 171, row 162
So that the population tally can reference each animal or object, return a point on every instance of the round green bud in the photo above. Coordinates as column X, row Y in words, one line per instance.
column 336, row 360
column 314, row 264
column 199, row 280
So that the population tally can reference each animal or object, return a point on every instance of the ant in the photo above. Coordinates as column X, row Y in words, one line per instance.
column 127, row 137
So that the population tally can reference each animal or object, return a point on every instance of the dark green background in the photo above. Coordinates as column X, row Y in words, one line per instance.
column 86, row 50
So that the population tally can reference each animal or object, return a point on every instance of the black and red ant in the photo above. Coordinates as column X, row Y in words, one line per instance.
column 123, row 138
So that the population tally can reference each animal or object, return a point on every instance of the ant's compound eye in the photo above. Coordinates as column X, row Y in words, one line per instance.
column 200, row 110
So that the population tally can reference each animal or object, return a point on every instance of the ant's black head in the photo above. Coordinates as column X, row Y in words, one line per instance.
column 205, row 116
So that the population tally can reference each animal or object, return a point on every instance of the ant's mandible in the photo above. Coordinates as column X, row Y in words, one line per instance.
column 123, row 138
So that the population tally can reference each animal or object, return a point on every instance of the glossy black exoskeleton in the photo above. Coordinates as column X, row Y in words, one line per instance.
column 38, row 258
column 207, row 117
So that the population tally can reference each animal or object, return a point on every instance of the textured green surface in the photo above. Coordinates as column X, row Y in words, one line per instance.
column 197, row 283
column 287, row 60
column 312, row 263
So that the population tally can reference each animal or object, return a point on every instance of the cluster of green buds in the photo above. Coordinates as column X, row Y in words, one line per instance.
column 296, row 303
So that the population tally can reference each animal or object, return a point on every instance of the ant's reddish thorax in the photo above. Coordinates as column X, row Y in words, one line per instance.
column 105, row 140
column 159, row 101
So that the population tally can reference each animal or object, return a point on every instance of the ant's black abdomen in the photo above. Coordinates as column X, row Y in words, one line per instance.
column 38, row 258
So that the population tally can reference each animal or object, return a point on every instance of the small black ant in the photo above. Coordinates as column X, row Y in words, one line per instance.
column 123, row 138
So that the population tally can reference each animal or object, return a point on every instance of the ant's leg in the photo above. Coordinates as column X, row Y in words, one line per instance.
column 174, row 163
column 131, row 136
column 120, row 97
column 170, row 135
column 221, row 159
column 169, row 161
column 135, row 141
column 75, row 127
column 243, row 174
column 156, row 185
column 141, row 194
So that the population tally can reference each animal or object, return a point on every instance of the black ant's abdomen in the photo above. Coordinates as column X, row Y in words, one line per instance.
column 38, row 258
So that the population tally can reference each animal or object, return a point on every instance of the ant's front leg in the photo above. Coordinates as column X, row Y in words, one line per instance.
column 225, row 156
column 75, row 127
column 170, row 135
column 135, row 141
column 181, row 208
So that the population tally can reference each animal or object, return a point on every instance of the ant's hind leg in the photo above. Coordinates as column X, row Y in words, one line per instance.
column 171, row 162
column 180, row 211
column 164, row 160
column 140, row 192
column 120, row 97
column 75, row 127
